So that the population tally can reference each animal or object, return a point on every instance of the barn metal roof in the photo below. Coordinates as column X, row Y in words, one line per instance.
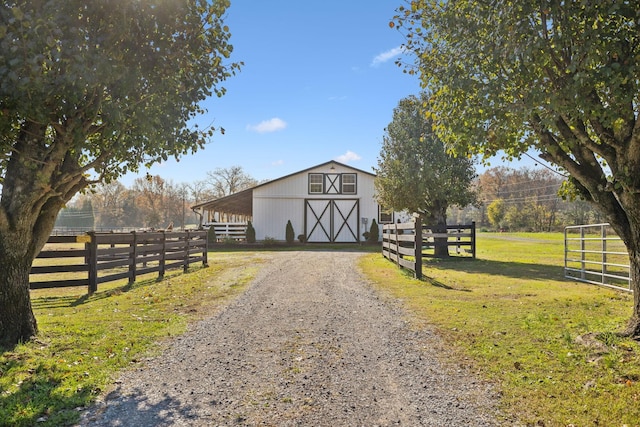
column 241, row 203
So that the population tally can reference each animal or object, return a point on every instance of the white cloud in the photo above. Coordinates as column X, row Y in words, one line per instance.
column 277, row 163
column 266, row 126
column 388, row 55
column 347, row 157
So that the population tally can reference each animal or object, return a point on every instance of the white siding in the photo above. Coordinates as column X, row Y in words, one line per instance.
column 271, row 216
column 284, row 199
column 368, row 205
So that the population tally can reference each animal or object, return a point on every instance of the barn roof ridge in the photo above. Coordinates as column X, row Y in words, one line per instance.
column 238, row 196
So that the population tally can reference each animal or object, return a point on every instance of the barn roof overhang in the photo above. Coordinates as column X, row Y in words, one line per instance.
column 240, row 203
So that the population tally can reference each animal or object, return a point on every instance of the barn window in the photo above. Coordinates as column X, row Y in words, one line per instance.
column 315, row 183
column 385, row 216
column 348, row 183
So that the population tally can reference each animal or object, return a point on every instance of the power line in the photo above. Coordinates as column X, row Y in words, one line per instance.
column 546, row 166
column 516, row 200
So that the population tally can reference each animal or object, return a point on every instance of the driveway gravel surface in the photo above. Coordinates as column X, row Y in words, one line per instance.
column 310, row 343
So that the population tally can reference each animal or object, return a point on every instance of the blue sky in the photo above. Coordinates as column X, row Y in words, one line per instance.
column 319, row 83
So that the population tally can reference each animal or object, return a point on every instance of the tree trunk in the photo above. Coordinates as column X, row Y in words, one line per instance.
column 438, row 224
column 17, row 322
column 633, row 327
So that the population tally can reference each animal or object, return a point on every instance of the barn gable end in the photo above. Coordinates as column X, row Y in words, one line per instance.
column 330, row 202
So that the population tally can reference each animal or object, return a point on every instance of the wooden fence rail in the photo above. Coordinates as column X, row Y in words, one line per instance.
column 105, row 257
column 404, row 240
column 406, row 244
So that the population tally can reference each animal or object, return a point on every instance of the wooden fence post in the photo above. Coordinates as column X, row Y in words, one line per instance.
column 163, row 255
column 417, row 246
column 187, row 241
column 397, row 244
column 133, row 256
column 473, row 239
column 205, row 253
column 93, row 263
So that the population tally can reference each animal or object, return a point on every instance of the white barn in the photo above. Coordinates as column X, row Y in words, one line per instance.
column 330, row 202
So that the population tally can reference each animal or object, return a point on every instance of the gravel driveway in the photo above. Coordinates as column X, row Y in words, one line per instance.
column 310, row 343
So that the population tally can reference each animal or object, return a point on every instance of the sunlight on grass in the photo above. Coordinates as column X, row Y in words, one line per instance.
column 547, row 343
column 84, row 341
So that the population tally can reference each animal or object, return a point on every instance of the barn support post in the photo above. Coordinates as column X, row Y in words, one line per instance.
column 417, row 245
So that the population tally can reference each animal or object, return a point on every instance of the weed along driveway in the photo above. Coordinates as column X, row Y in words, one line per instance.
column 309, row 343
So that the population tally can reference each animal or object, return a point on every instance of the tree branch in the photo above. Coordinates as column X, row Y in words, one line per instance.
column 579, row 132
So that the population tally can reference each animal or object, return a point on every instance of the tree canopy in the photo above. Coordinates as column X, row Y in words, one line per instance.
column 562, row 77
column 116, row 82
column 415, row 172
column 88, row 92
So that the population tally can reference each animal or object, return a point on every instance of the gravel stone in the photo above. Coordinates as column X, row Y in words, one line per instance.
column 310, row 343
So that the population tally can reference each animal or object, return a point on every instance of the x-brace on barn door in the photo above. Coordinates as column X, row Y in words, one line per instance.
column 332, row 220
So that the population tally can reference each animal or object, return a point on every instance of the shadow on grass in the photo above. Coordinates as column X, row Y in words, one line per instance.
column 439, row 284
column 62, row 301
column 516, row 270
column 51, row 302
column 39, row 401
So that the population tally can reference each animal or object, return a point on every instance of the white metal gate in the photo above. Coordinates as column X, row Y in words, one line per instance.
column 332, row 220
column 593, row 253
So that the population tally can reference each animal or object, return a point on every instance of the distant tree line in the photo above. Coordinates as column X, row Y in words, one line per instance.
column 151, row 202
column 509, row 199
column 523, row 199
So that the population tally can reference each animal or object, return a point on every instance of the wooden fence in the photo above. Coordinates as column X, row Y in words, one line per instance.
column 96, row 258
column 406, row 244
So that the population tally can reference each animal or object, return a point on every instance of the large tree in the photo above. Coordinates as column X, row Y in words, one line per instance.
column 108, row 201
column 225, row 181
column 416, row 173
column 562, row 77
column 90, row 90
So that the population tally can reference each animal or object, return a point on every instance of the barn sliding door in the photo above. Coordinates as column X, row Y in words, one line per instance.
column 332, row 220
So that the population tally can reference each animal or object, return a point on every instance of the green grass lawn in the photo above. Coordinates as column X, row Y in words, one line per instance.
column 548, row 344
